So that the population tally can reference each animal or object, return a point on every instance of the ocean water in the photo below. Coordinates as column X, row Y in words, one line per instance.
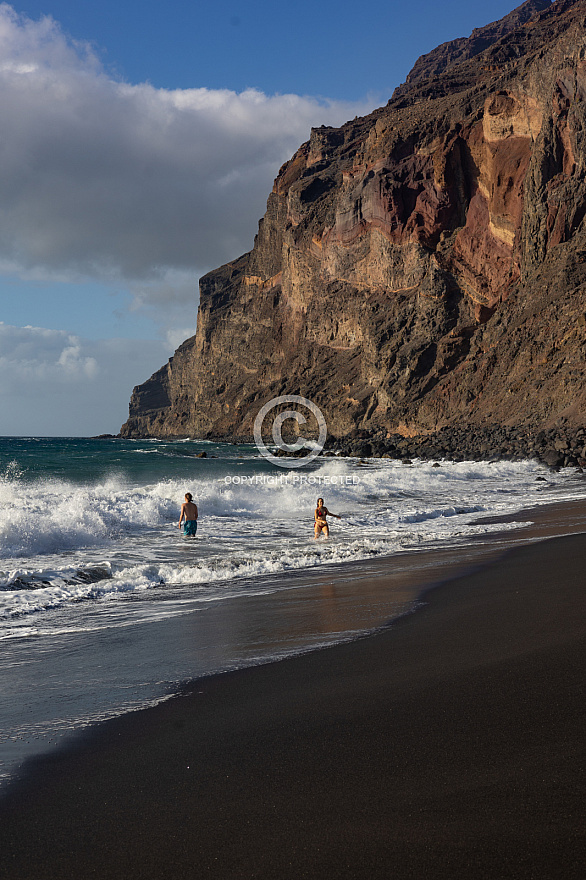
column 105, row 606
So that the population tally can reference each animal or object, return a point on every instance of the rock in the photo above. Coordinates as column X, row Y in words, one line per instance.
column 447, row 55
column 421, row 268
column 552, row 458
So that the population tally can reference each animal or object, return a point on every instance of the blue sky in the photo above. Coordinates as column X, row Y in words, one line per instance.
column 139, row 145
column 310, row 47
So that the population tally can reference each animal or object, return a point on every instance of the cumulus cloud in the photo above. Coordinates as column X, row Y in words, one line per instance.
column 35, row 354
column 68, row 385
column 103, row 179
column 136, row 188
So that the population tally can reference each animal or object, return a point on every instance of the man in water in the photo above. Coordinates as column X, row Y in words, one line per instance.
column 189, row 512
column 321, row 523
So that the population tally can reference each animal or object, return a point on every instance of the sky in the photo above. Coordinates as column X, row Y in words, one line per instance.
column 138, row 146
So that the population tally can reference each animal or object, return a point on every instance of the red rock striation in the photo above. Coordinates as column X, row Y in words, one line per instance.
column 418, row 268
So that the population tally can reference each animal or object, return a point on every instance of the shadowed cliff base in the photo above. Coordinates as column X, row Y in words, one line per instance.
column 418, row 269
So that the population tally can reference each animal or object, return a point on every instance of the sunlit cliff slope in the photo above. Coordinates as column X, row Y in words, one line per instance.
column 421, row 267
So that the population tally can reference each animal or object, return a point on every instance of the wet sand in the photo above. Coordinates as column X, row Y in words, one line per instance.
column 447, row 745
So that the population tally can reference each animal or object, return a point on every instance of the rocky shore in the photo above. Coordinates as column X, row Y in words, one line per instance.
column 556, row 448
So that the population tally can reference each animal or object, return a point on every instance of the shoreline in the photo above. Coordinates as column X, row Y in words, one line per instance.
column 556, row 447
column 326, row 750
column 294, row 613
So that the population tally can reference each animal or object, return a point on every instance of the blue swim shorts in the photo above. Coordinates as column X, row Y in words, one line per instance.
column 190, row 527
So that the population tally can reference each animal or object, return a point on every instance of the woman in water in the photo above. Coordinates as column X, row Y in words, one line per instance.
column 189, row 512
column 321, row 523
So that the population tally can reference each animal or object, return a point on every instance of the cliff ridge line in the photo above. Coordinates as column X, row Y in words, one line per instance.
column 419, row 268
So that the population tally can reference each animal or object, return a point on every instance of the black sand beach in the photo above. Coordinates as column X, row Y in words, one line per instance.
column 449, row 745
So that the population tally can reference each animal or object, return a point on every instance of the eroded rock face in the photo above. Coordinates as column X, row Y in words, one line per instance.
column 420, row 267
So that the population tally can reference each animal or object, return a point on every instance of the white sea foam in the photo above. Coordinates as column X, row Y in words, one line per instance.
column 62, row 542
column 52, row 516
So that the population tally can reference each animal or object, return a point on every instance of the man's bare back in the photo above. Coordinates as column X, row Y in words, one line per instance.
column 189, row 513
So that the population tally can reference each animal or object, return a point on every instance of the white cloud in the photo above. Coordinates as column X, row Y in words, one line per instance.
column 34, row 354
column 54, row 383
column 74, row 364
column 136, row 188
column 107, row 180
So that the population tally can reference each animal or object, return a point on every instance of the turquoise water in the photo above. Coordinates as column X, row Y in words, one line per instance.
column 82, row 460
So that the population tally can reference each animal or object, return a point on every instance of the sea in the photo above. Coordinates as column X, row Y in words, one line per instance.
column 106, row 608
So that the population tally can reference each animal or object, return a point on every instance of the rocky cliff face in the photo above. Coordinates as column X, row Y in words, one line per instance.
column 418, row 268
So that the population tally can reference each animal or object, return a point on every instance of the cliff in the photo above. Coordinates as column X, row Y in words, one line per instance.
column 418, row 268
